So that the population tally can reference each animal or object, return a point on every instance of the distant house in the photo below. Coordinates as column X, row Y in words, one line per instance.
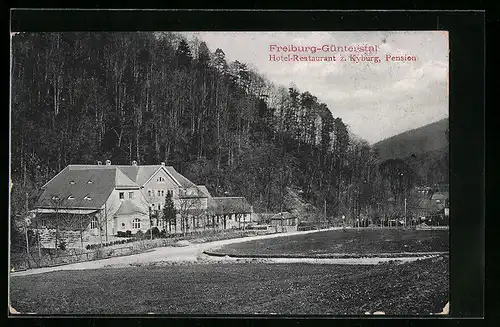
column 235, row 212
column 284, row 222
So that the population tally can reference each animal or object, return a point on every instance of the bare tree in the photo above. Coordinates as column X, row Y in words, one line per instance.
column 190, row 206
column 104, row 216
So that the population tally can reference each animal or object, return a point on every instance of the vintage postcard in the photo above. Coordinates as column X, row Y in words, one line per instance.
column 229, row 173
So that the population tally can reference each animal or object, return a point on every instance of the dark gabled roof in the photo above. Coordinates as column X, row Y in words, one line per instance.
column 141, row 174
column 181, row 179
column 213, row 206
column 123, row 181
column 89, row 188
column 127, row 207
column 204, row 190
column 423, row 203
column 191, row 193
column 231, row 205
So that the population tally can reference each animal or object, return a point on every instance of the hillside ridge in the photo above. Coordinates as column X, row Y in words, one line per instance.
column 424, row 139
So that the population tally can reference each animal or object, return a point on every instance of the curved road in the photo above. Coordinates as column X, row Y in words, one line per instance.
column 190, row 253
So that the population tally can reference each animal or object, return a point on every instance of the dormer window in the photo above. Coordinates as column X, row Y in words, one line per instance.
column 89, row 182
column 88, row 198
column 55, row 197
column 72, row 182
column 71, row 197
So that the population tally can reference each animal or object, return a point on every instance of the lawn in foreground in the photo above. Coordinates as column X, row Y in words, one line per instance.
column 419, row 287
column 363, row 241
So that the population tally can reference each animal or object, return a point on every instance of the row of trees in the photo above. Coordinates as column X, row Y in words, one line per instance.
column 151, row 97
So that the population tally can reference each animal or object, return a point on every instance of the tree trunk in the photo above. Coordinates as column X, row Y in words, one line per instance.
column 57, row 237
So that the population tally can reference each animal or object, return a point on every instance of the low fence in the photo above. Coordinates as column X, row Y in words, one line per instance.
column 314, row 226
column 36, row 260
column 430, row 227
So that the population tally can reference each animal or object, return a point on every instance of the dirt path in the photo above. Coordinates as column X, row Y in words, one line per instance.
column 190, row 253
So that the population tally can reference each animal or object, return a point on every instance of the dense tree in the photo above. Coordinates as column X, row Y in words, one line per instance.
column 169, row 212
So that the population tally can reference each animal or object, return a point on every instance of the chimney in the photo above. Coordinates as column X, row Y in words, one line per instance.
column 108, row 162
column 134, row 163
column 163, row 164
column 99, row 163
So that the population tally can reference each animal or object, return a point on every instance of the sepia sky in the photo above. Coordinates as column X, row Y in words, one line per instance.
column 375, row 100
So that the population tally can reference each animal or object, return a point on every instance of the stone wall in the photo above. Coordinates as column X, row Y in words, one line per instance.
column 72, row 238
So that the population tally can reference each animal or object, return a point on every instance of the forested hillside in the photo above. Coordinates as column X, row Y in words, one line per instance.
column 152, row 97
column 425, row 139
column 425, row 149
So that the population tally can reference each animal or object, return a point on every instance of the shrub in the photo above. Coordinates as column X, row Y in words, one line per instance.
column 139, row 235
column 62, row 245
column 155, row 231
column 98, row 254
column 88, row 247
column 128, row 233
column 121, row 234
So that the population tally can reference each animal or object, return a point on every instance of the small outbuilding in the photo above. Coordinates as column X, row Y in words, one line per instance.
column 284, row 222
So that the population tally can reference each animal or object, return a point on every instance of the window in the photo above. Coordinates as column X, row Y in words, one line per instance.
column 130, row 195
column 162, row 192
column 94, row 223
column 136, row 223
column 71, row 197
column 158, row 207
column 159, row 192
column 87, row 198
column 149, row 192
column 160, row 179
column 55, row 197
column 121, row 195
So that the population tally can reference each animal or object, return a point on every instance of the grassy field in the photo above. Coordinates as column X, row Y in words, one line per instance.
column 352, row 241
column 413, row 288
